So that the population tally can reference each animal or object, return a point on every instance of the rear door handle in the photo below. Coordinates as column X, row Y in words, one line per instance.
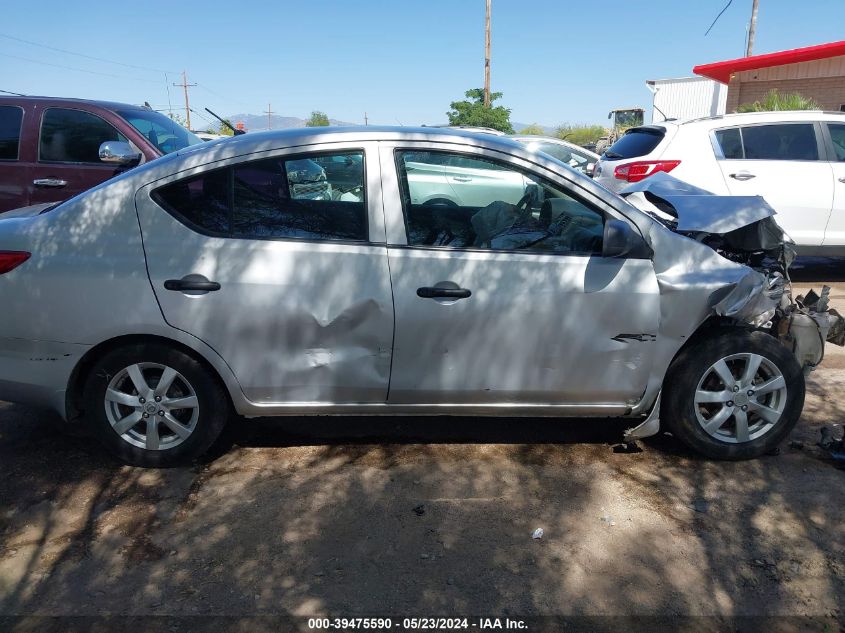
column 742, row 175
column 842, row 179
column 461, row 178
column 191, row 283
column 49, row 182
column 432, row 292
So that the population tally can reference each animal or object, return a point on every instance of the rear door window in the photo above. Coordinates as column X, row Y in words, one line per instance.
column 275, row 198
column 636, row 142
column 74, row 136
column 300, row 198
column 783, row 141
column 10, row 131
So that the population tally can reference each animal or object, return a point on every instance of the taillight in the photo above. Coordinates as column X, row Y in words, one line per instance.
column 9, row 260
column 639, row 170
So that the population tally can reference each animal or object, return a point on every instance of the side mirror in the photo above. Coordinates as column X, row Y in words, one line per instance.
column 590, row 169
column 620, row 240
column 119, row 152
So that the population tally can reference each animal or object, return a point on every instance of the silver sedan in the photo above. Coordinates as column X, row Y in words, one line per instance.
column 400, row 271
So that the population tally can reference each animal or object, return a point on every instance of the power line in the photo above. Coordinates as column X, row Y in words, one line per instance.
column 717, row 17
column 99, row 59
column 81, row 70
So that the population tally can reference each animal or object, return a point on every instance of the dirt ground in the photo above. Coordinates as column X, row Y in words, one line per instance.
column 427, row 516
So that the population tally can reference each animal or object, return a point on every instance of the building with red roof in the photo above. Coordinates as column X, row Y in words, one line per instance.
column 817, row 72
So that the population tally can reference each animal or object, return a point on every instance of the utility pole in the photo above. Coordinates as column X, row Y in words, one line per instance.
column 487, row 56
column 185, row 85
column 269, row 114
column 365, row 119
column 752, row 28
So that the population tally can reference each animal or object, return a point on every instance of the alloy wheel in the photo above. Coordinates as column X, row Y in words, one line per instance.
column 151, row 406
column 740, row 398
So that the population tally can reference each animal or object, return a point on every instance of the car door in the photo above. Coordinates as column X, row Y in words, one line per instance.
column 68, row 160
column 499, row 305
column 282, row 271
column 781, row 162
column 835, row 233
column 14, row 168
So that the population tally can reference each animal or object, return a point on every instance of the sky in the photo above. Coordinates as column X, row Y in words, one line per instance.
column 400, row 61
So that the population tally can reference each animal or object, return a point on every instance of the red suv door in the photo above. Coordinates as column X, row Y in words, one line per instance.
column 68, row 160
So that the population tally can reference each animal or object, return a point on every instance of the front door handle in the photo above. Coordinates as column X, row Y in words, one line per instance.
column 842, row 179
column 742, row 175
column 194, row 284
column 461, row 178
column 49, row 182
column 433, row 292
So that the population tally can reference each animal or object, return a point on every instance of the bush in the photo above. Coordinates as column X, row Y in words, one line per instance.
column 533, row 129
column 775, row 101
column 581, row 134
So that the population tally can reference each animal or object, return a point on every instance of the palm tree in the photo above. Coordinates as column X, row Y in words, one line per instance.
column 776, row 101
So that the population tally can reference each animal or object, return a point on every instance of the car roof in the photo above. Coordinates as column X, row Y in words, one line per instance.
column 206, row 153
column 738, row 118
column 291, row 137
column 69, row 102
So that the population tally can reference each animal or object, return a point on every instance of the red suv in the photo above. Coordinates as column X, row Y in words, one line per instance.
column 52, row 149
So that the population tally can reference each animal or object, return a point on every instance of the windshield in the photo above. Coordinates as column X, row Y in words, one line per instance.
column 163, row 132
column 636, row 142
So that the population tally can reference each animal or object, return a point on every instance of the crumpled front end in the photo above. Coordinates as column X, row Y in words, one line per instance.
column 742, row 230
column 806, row 324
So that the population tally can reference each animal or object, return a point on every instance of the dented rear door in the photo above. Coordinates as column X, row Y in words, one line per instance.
column 278, row 268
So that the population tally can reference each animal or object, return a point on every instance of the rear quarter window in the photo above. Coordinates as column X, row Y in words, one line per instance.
column 636, row 142
column 730, row 142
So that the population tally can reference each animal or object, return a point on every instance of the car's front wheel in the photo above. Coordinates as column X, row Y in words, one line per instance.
column 735, row 395
column 154, row 406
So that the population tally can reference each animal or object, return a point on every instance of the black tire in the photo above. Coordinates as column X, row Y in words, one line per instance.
column 601, row 146
column 213, row 405
column 678, row 411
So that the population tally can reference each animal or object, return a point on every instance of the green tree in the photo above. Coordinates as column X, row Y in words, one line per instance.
column 472, row 112
column 775, row 101
column 318, row 119
column 178, row 118
column 581, row 134
column 533, row 129
column 223, row 130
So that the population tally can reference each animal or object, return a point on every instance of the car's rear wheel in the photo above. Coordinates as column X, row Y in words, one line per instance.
column 154, row 406
column 735, row 395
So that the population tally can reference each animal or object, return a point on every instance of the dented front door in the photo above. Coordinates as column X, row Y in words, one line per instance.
column 298, row 319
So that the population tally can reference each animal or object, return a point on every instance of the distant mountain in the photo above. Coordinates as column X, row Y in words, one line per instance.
column 258, row 122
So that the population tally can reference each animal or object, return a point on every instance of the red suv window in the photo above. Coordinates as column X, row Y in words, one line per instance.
column 74, row 136
column 10, row 131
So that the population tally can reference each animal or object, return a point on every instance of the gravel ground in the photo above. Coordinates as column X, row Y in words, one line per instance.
column 425, row 516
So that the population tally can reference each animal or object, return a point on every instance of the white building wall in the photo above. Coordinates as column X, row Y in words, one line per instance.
column 687, row 98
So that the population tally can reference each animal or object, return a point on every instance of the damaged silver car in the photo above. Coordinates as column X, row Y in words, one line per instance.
column 211, row 282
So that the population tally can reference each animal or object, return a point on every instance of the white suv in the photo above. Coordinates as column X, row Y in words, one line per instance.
column 795, row 160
